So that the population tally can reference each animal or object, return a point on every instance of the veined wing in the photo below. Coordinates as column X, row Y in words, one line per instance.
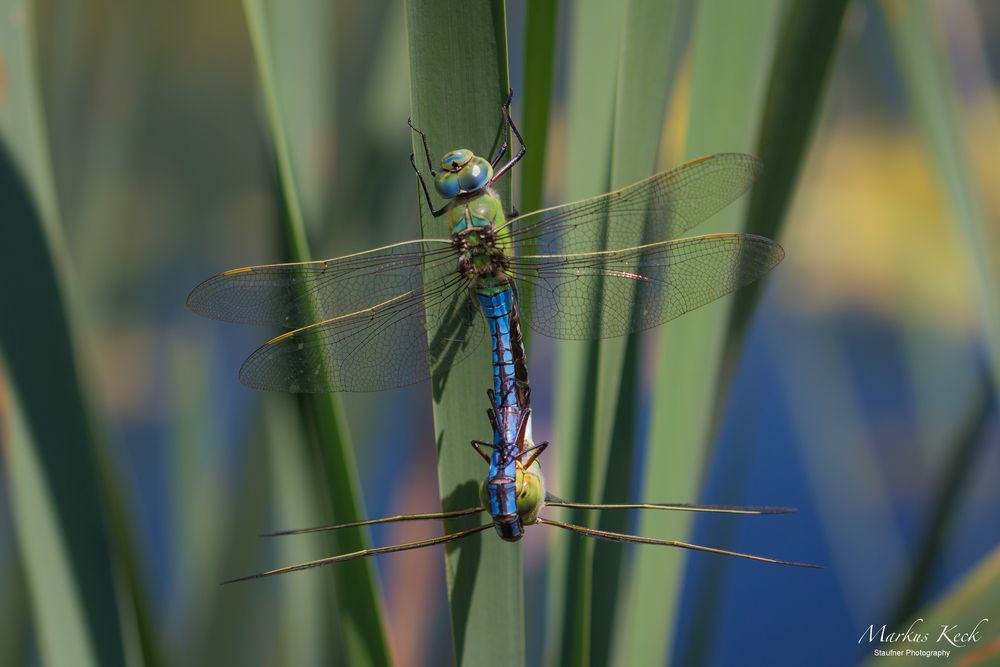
column 611, row 293
column 660, row 208
column 381, row 347
column 297, row 294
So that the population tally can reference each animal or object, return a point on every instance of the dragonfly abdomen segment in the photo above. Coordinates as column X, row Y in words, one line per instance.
column 510, row 374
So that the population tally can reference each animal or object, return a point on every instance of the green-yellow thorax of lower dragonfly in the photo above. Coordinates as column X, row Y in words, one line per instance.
column 530, row 491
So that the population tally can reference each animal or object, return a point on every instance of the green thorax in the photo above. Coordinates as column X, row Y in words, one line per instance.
column 478, row 219
column 481, row 209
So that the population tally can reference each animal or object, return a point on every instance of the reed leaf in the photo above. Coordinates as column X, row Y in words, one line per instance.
column 965, row 451
column 593, row 62
column 536, row 98
column 301, row 618
column 357, row 593
column 40, row 342
column 63, row 634
column 540, row 31
column 729, row 61
column 803, row 58
column 648, row 60
column 458, row 78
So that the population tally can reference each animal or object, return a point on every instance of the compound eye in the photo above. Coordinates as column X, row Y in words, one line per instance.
column 446, row 183
column 455, row 160
column 475, row 175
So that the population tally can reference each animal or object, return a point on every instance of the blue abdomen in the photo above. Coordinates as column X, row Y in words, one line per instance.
column 509, row 376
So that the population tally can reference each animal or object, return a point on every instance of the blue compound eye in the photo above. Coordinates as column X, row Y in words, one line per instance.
column 446, row 183
column 455, row 160
column 475, row 175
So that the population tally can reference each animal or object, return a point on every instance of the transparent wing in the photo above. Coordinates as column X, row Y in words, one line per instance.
column 673, row 202
column 606, row 294
column 295, row 295
column 378, row 348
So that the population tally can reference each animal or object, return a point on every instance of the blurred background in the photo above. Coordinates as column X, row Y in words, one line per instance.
column 862, row 392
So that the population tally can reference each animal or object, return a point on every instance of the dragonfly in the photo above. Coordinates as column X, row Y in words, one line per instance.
column 597, row 268
column 527, row 490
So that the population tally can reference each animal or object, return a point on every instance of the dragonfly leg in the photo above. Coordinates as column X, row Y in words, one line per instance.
column 427, row 194
column 517, row 157
column 423, row 185
column 537, row 451
column 478, row 446
column 504, row 128
column 427, row 151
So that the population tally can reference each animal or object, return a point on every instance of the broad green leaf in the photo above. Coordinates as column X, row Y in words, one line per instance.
column 458, row 78
column 356, row 586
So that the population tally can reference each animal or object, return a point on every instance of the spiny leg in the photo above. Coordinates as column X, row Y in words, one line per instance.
column 454, row 514
column 517, row 157
column 635, row 539
column 535, row 452
column 478, row 446
column 504, row 128
column 364, row 553
column 430, row 167
column 427, row 151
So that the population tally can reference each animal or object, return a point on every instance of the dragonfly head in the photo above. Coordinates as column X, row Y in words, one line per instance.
column 530, row 491
column 462, row 172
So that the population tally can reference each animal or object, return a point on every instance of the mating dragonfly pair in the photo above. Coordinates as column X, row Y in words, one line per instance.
column 598, row 268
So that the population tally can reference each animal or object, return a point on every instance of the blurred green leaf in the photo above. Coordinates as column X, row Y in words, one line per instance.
column 964, row 450
column 728, row 65
column 357, row 590
column 58, row 610
column 647, row 63
column 301, row 616
column 593, row 69
column 536, row 98
column 37, row 338
column 455, row 99
column 803, row 58
column 923, row 65
column 241, row 611
column 536, row 102
column 16, row 639
column 842, row 469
